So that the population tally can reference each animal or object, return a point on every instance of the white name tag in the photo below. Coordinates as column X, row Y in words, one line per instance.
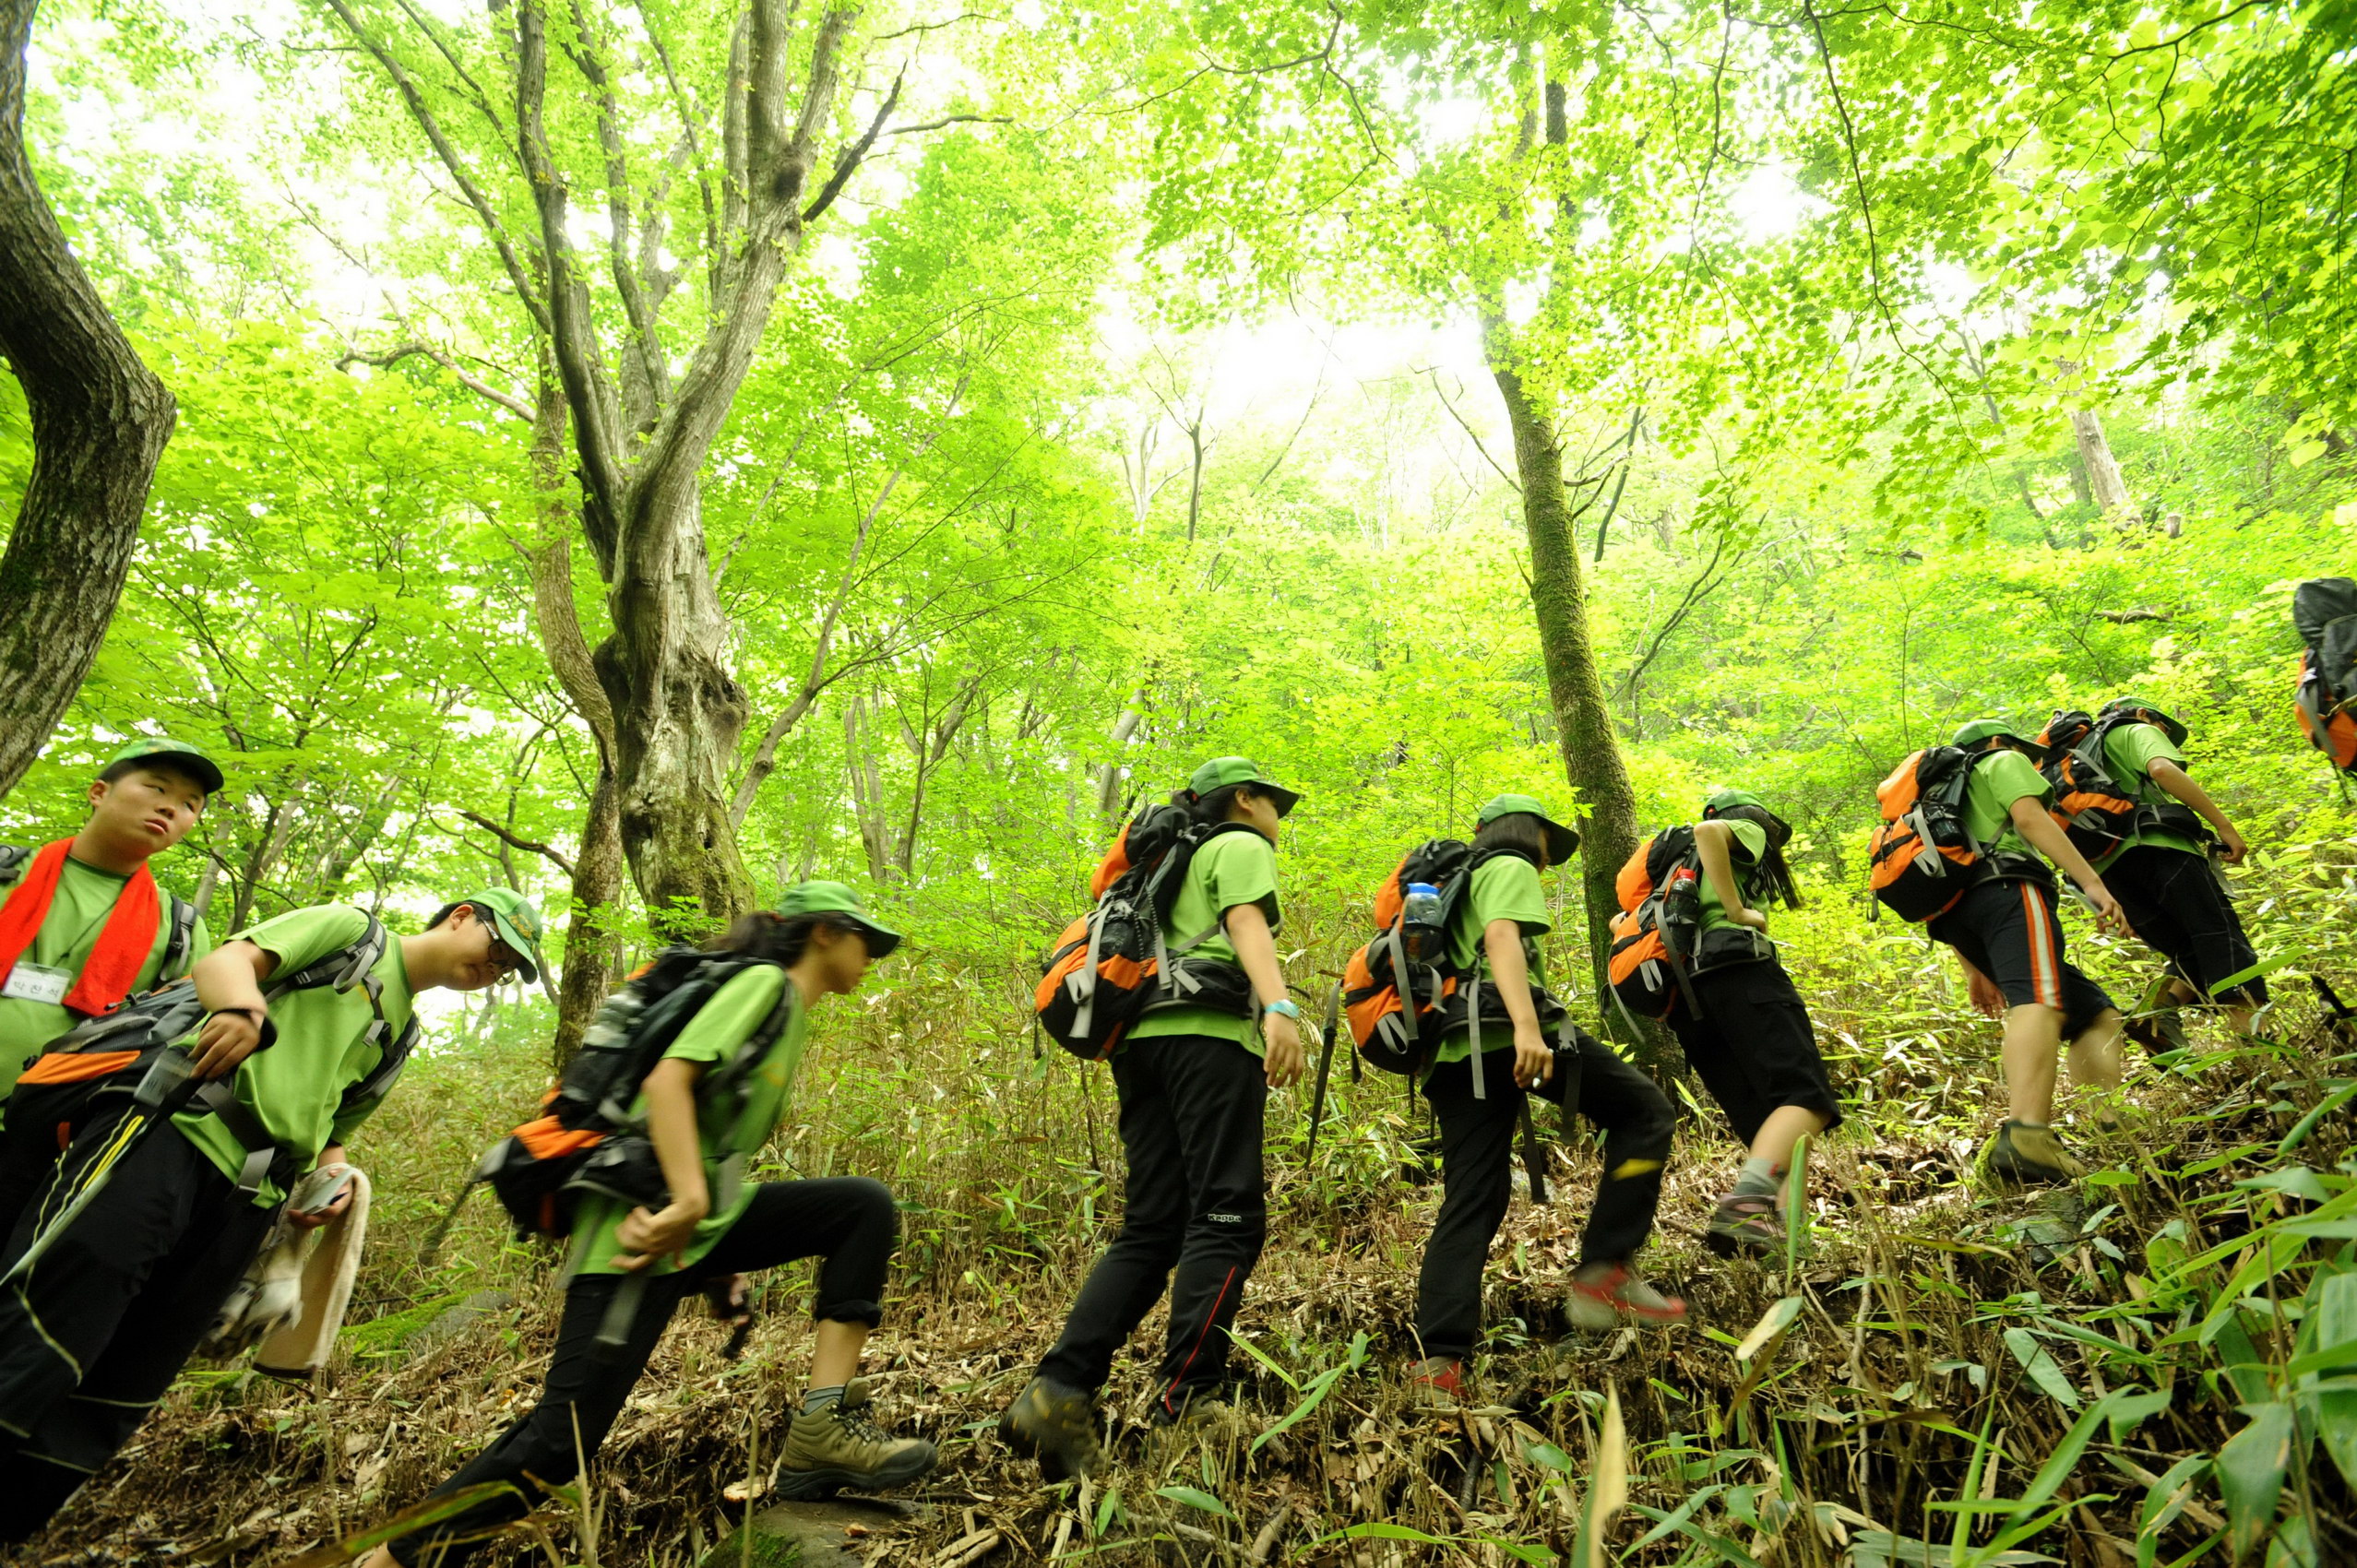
column 30, row 981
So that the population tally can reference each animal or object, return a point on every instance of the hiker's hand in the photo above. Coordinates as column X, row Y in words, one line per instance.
column 2232, row 845
column 226, row 1039
column 1751, row 918
column 318, row 1218
column 1987, row 999
column 647, row 1234
column 2109, row 916
column 1533, row 1062
column 1283, row 1037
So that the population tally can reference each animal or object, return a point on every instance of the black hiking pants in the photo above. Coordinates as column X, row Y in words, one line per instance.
column 848, row 1221
column 1477, row 1175
column 93, row 1337
column 1195, row 1202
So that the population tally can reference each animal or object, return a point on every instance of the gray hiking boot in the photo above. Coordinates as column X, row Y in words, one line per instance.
column 1055, row 1424
column 841, row 1446
column 2021, row 1156
column 1608, row 1295
column 1744, row 1222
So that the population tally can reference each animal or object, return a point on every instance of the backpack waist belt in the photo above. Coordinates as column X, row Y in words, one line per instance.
column 265, row 1160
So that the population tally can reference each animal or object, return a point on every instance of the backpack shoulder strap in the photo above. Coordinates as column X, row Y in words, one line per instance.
column 387, row 1071
column 12, row 862
column 176, row 944
column 351, row 965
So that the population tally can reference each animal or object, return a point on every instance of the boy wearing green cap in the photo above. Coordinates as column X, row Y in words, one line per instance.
column 1478, row 1099
column 94, row 1332
column 1752, row 1044
column 1192, row 1082
column 631, row 1268
column 84, row 924
column 2006, row 935
column 2161, row 872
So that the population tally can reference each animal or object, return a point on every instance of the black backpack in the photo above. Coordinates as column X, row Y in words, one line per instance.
column 586, row 1138
column 104, row 1059
column 176, row 964
column 1111, row 963
column 2324, row 610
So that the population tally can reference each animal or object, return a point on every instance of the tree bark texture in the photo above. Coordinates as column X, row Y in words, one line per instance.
column 2107, row 487
column 1575, row 686
column 100, row 422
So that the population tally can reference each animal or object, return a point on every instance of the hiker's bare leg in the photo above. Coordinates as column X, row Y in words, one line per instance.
column 2240, row 1017
column 2095, row 1059
column 2033, row 1038
column 1784, row 1127
column 835, row 1353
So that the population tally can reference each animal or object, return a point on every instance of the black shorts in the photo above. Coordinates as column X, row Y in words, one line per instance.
column 2007, row 931
column 2174, row 904
column 1754, row 1047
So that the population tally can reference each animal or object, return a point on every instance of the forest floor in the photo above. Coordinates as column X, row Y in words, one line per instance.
column 1903, row 1383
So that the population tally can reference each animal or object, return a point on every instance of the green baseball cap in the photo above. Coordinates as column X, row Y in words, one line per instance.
column 517, row 919
column 1971, row 735
column 1222, row 771
column 163, row 748
column 1561, row 841
column 1727, row 800
column 837, row 898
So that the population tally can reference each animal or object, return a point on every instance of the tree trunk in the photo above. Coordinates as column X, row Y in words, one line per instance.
column 1575, row 686
column 100, row 420
column 2107, row 488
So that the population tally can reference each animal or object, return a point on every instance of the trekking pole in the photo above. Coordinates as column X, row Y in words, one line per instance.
column 1533, row 1159
column 164, row 1088
column 1325, row 1071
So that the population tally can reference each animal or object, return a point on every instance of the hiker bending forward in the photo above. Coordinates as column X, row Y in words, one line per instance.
column 1753, row 1046
column 1193, row 1083
column 631, row 1268
column 1504, row 909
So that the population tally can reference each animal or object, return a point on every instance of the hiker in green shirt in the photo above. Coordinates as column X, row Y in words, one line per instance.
column 2006, row 935
column 92, row 1334
column 1193, row 1081
column 716, row 1229
column 84, row 924
column 2161, row 872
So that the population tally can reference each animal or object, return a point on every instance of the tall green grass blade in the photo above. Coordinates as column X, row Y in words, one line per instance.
column 2250, row 1476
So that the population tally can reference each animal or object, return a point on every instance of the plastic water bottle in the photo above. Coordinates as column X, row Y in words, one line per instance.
column 1419, row 919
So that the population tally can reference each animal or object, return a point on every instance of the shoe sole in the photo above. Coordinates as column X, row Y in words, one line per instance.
column 796, row 1485
column 1600, row 1316
column 1056, row 1462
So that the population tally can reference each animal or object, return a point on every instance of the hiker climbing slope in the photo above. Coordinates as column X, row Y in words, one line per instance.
column 1743, row 1025
column 132, row 1243
column 636, row 1264
column 84, row 924
column 1526, row 1046
column 2149, row 830
column 1193, row 1074
column 2000, row 917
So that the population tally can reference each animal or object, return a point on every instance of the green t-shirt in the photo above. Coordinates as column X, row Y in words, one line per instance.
column 1747, row 843
column 730, row 1127
column 1505, row 887
column 295, row 1088
column 78, row 913
column 1998, row 780
column 1230, row 870
column 2128, row 754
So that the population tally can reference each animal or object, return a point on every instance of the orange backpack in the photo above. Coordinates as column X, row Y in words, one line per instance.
column 1921, row 861
column 2094, row 810
column 1111, row 963
column 1656, row 933
column 2325, row 610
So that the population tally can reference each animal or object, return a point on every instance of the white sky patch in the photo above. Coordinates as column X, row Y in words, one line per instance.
column 1769, row 204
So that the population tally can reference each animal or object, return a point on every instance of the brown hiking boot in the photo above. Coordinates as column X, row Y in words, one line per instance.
column 1055, row 1424
column 2022, row 1155
column 839, row 1446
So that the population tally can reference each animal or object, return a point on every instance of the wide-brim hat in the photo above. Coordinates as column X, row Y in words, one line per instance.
column 1562, row 842
column 1222, row 771
column 839, row 898
column 189, row 759
column 517, row 919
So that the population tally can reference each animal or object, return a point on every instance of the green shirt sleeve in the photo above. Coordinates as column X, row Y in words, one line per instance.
column 299, row 936
column 1504, row 888
column 2131, row 750
column 1238, row 869
column 1746, row 842
column 1998, row 780
column 728, row 1020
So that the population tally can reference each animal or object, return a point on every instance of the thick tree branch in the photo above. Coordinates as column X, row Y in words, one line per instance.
column 847, row 161
column 647, row 380
column 474, row 383
column 518, row 841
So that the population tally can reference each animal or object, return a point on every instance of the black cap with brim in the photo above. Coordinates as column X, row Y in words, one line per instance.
column 1562, row 842
column 1222, row 771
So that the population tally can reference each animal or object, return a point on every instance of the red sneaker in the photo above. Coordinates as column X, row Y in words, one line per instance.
column 1611, row 1295
column 1436, row 1382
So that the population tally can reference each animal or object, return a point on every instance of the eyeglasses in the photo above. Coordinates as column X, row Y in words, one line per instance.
column 505, row 958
